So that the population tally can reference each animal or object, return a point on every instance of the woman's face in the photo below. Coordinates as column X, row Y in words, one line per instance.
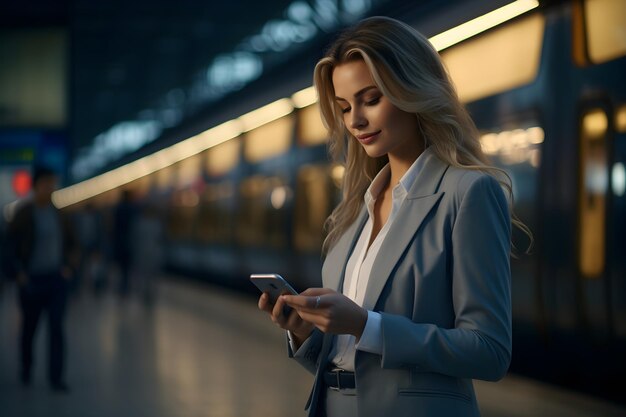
column 380, row 127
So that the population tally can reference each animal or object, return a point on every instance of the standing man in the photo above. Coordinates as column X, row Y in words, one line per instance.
column 43, row 245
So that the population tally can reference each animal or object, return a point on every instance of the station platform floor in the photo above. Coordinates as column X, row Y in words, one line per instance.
column 200, row 350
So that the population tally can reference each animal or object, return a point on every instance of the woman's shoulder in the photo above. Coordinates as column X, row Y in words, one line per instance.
column 459, row 181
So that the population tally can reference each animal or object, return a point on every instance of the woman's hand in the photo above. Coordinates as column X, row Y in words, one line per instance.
column 334, row 313
column 299, row 328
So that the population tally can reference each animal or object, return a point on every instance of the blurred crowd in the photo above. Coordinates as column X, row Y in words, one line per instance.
column 118, row 248
column 50, row 256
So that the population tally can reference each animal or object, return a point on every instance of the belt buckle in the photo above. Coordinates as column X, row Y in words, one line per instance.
column 338, row 376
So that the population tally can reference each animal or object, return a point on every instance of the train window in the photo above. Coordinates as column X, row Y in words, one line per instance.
column 182, row 214
column 216, row 214
column 514, row 146
column 189, row 171
column 620, row 119
column 496, row 61
column 269, row 140
column 311, row 130
column 164, row 178
column 605, row 22
column 261, row 220
column 223, row 157
column 592, row 192
column 141, row 186
column 314, row 202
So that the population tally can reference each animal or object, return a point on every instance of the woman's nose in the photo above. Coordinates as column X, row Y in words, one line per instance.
column 357, row 120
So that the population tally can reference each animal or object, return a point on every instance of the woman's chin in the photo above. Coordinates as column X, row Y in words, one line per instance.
column 374, row 151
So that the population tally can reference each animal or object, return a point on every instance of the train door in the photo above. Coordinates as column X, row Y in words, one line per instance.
column 594, row 226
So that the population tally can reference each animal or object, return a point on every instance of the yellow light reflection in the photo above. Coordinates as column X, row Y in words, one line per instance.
column 482, row 23
column 595, row 124
column 278, row 197
column 311, row 130
column 269, row 140
column 266, row 114
column 304, row 98
column 337, row 174
column 515, row 146
column 146, row 165
column 223, row 157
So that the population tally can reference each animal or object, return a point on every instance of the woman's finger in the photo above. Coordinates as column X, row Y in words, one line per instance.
column 301, row 301
column 319, row 321
column 294, row 319
column 277, row 313
column 316, row 291
column 264, row 303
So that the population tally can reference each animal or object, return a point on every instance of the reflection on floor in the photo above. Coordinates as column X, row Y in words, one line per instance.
column 199, row 351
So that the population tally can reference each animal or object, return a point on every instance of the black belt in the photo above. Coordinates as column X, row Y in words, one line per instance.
column 339, row 379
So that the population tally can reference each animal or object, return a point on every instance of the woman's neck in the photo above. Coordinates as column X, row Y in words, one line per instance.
column 400, row 163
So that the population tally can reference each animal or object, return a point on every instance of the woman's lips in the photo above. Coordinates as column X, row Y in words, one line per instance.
column 367, row 138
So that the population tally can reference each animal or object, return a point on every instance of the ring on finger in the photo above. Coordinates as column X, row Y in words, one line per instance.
column 317, row 301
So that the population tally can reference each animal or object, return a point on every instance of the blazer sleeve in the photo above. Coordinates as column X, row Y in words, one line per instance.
column 308, row 353
column 479, row 345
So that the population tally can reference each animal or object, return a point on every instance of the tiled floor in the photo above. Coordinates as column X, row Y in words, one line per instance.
column 200, row 351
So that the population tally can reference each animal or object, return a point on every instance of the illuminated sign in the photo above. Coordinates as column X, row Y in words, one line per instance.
column 21, row 182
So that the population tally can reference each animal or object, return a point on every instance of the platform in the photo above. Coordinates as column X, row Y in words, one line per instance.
column 200, row 350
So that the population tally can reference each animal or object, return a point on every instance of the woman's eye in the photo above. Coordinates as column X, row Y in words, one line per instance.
column 346, row 110
column 373, row 101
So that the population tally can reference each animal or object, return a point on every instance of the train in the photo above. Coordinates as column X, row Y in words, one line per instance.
column 547, row 91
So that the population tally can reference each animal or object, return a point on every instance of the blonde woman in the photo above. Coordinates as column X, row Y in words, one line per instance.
column 416, row 298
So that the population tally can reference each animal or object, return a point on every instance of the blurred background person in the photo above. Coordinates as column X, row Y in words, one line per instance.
column 124, row 218
column 148, row 250
column 89, row 233
column 43, row 245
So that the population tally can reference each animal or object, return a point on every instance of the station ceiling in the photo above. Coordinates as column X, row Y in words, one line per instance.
column 126, row 55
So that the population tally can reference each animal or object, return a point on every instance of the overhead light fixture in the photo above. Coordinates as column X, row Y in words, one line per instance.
column 482, row 23
column 266, row 114
column 304, row 98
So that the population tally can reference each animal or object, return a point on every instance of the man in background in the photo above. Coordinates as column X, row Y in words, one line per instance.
column 43, row 244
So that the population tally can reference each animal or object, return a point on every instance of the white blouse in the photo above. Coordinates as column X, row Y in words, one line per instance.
column 360, row 264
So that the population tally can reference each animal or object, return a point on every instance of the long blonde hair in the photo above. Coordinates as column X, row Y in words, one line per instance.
column 409, row 72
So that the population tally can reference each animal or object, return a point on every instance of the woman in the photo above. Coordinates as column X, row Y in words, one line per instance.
column 416, row 298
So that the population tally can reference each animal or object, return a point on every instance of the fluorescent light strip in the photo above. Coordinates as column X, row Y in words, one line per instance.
column 480, row 24
column 304, row 98
column 266, row 114
column 146, row 165
column 256, row 118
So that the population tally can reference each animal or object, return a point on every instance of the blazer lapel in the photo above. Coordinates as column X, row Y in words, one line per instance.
column 420, row 200
column 334, row 267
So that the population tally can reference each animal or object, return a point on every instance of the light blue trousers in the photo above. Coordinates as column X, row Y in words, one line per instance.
column 341, row 403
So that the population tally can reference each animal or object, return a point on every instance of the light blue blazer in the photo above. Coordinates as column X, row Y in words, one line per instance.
column 442, row 284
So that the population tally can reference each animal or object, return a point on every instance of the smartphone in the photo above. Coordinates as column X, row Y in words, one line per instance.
column 275, row 286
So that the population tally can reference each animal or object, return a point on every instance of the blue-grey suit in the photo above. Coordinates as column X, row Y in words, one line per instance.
column 442, row 284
